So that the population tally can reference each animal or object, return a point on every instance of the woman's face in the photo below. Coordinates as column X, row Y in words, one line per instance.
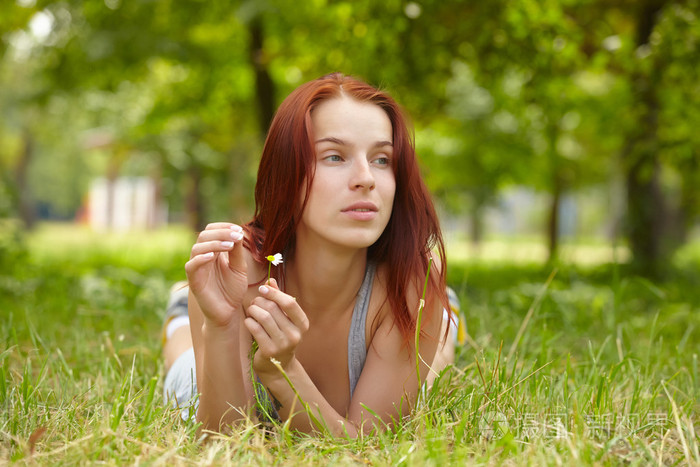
column 352, row 192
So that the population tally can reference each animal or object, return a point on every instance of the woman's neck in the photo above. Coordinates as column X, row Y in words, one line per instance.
column 325, row 281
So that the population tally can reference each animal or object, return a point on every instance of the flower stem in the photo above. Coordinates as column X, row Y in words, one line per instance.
column 419, row 320
column 316, row 421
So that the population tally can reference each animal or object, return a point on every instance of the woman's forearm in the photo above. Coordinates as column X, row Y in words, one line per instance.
column 224, row 385
column 322, row 415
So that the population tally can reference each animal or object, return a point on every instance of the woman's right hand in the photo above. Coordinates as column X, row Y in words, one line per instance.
column 217, row 272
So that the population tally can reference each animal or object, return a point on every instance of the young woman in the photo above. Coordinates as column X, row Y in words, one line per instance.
column 340, row 196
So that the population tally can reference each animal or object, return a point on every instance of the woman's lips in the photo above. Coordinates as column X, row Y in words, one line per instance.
column 363, row 211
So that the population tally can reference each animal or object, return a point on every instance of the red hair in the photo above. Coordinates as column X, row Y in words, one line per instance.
column 285, row 175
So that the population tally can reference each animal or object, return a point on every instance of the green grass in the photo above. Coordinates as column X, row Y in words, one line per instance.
column 592, row 367
column 531, row 249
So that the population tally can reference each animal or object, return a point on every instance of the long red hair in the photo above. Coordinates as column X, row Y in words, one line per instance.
column 285, row 176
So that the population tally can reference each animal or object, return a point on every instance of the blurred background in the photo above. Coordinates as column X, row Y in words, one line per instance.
column 547, row 130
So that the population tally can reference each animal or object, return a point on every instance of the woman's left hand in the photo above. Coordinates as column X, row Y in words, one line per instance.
column 277, row 323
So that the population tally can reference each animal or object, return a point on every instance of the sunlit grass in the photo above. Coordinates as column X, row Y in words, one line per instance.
column 590, row 368
column 583, row 252
column 54, row 242
column 529, row 250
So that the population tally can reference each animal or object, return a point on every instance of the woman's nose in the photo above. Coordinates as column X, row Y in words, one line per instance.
column 362, row 176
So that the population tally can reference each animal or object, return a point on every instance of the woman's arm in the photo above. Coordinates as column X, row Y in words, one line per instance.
column 388, row 385
column 217, row 275
column 223, row 373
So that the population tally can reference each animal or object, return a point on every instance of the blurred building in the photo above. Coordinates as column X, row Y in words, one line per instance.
column 126, row 203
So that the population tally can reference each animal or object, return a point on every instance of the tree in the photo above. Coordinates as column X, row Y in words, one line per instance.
column 571, row 96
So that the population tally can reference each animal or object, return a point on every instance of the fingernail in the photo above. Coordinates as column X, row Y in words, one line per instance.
column 237, row 228
column 236, row 235
column 263, row 289
column 208, row 255
column 226, row 244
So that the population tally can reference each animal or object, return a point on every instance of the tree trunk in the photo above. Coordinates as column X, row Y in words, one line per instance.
column 240, row 191
column 646, row 208
column 477, row 226
column 193, row 200
column 553, row 222
column 25, row 206
column 557, row 189
column 645, row 214
column 264, row 87
column 689, row 203
column 480, row 197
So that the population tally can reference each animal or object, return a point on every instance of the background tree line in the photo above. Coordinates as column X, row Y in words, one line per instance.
column 557, row 95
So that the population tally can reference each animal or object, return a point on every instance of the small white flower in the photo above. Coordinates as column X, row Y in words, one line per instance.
column 275, row 259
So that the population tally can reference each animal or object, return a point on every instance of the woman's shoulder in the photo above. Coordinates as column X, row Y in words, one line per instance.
column 414, row 285
column 381, row 313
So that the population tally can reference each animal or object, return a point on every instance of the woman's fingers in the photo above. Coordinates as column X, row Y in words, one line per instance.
column 272, row 321
column 272, row 326
column 236, row 259
column 217, row 237
column 261, row 305
column 198, row 260
column 232, row 232
column 261, row 337
column 215, row 246
column 226, row 235
column 223, row 225
column 287, row 304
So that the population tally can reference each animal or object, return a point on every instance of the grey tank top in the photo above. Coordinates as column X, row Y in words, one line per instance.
column 357, row 348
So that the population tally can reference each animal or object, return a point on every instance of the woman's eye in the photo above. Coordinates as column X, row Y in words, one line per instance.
column 382, row 161
column 333, row 158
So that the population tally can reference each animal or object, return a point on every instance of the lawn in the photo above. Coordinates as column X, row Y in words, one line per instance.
column 567, row 364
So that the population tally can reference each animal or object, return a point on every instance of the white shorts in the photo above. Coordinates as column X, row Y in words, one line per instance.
column 180, row 386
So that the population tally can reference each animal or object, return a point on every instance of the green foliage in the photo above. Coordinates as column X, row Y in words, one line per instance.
column 13, row 250
column 549, row 95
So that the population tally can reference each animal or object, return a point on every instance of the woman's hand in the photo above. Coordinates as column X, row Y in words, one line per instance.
column 217, row 272
column 277, row 323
